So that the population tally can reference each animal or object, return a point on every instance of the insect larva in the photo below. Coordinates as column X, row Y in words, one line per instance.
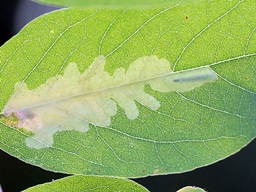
column 196, row 78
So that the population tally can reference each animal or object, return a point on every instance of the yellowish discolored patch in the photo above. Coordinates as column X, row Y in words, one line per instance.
column 74, row 100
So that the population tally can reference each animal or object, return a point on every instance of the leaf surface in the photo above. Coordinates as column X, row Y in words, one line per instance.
column 188, row 128
column 111, row 3
column 88, row 183
column 191, row 189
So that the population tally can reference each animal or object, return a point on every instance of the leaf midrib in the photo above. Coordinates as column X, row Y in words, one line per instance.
column 101, row 90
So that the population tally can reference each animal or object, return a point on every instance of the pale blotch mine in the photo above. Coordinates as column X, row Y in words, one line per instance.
column 74, row 100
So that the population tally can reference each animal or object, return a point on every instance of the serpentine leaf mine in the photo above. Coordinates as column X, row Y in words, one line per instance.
column 74, row 100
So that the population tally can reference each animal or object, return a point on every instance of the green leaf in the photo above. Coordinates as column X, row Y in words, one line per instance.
column 88, row 183
column 111, row 3
column 191, row 189
column 189, row 128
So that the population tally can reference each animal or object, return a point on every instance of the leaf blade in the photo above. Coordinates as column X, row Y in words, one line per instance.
column 88, row 183
column 111, row 3
column 190, row 129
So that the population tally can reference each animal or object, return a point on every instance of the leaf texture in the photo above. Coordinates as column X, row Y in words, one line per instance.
column 188, row 129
